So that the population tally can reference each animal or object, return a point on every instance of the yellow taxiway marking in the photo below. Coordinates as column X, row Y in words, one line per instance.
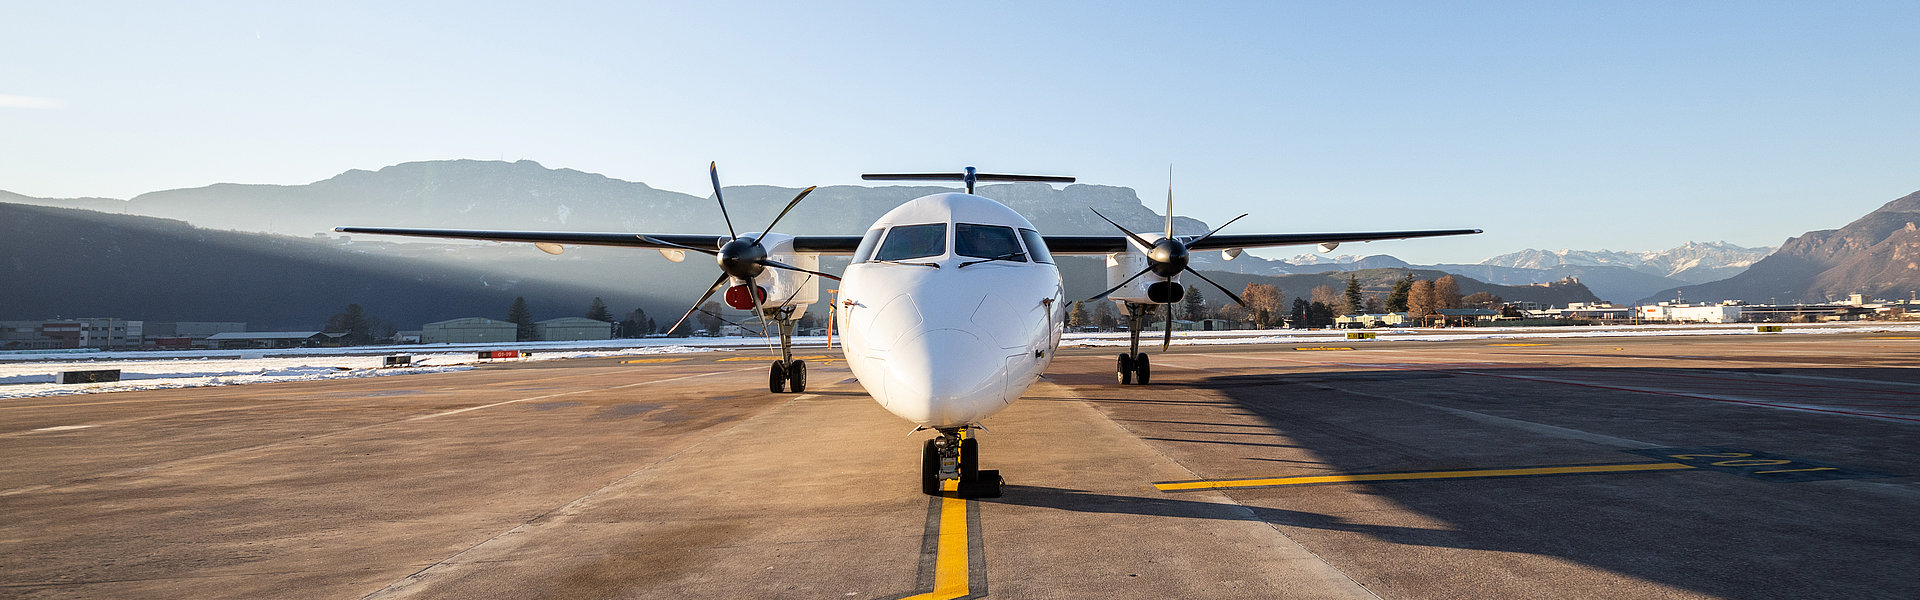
column 648, row 361
column 741, row 358
column 1895, row 337
column 1233, row 483
column 950, row 564
column 1322, row 348
column 1519, row 344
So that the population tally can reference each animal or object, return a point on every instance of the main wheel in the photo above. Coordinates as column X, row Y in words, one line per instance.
column 969, row 461
column 1126, row 369
column 930, row 470
column 797, row 376
column 777, row 379
column 1141, row 369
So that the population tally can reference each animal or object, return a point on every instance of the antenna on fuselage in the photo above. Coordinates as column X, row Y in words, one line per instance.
column 967, row 177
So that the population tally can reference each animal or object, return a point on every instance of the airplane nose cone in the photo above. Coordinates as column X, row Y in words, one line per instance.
column 944, row 377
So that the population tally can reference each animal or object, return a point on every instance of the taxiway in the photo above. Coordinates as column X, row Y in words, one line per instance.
column 1684, row 467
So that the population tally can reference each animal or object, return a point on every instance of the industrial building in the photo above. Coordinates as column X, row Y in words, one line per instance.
column 247, row 340
column 104, row 333
column 469, row 330
column 568, row 329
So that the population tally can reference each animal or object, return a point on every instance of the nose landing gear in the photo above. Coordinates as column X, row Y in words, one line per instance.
column 786, row 372
column 1133, row 367
column 955, row 456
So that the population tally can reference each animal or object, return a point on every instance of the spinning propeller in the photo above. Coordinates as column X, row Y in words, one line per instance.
column 743, row 258
column 1168, row 258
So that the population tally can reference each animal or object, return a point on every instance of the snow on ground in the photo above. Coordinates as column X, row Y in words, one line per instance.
column 1410, row 334
column 26, row 374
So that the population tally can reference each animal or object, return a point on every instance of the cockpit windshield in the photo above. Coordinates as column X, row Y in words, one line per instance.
column 913, row 241
column 987, row 241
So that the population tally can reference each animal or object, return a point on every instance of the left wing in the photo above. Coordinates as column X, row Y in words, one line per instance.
column 813, row 244
column 1102, row 244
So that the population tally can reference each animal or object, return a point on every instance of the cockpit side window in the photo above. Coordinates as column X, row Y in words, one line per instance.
column 865, row 251
column 914, row 241
column 986, row 241
column 1036, row 246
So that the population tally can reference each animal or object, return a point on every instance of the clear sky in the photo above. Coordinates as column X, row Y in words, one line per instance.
column 1589, row 125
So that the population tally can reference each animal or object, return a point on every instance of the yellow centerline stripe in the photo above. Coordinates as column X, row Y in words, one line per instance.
column 645, row 361
column 950, row 562
column 740, row 358
column 1519, row 344
column 1203, row 485
column 1322, row 348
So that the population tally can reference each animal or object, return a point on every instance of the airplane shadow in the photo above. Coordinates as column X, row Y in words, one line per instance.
column 1713, row 533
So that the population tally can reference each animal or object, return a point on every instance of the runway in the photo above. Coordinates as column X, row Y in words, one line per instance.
column 1720, row 466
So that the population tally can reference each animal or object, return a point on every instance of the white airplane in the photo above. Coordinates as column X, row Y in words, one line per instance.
column 951, row 307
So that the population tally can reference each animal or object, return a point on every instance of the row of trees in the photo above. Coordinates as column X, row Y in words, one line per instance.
column 1267, row 306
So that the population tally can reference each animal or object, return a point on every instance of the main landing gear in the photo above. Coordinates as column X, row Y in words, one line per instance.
column 954, row 455
column 786, row 373
column 1133, row 367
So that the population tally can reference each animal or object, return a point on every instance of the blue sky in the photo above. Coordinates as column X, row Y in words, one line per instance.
column 1619, row 125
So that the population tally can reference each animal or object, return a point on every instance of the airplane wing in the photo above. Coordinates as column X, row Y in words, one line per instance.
column 816, row 244
column 1101, row 244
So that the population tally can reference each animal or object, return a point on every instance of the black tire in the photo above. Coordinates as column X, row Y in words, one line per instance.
column 777, row 378
column 1141, row 369
column 969, row 461
column 797, row 376
column 929, row 470
column 1126, row 369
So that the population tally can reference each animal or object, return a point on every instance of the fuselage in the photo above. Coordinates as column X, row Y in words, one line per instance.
column 941, row 344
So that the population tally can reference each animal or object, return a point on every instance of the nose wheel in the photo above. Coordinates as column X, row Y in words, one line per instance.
column 786, row 376
column 786, row 373
column 1133, row 367
column 953, row 456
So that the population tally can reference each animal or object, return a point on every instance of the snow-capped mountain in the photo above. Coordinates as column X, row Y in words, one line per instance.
column 1695, row 262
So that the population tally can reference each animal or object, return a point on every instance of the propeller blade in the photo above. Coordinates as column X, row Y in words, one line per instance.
column 1169, row 229
column 1230, row 294
column 1136, row 239
column 1117, row 287
column 780, row 265
column 1167, row 342
column 1217, row 229
column 697, row 303
column 713, row 171
column 654, row 240
column 783, row 213
column 753, row 291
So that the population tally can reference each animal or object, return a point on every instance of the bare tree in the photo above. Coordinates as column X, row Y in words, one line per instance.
column 1264, row 306
column 1325, row 294
column 1446, row 293
column 1420, row 299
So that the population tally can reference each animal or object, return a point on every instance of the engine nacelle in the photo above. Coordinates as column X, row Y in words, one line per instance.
column 737, row 297
column 1166, row 292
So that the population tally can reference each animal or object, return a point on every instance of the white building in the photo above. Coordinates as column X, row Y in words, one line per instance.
column 1691, row 313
